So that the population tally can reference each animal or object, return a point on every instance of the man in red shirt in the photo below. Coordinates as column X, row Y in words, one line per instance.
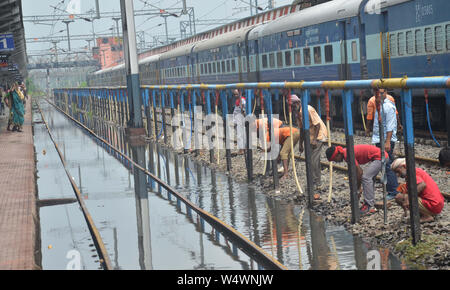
column 364, row 154
column 431, row 201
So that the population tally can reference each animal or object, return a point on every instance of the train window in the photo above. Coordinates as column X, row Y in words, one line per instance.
column 279, row 59
column 233, row 65
column 228, row 66
column 438, row 35
column 401, row 43
column 214, row 68
column 447, row 36
column 354, row 51
column 307, row 56
column 201, row 69
column 251, row 63
column 297, row 57
column 409, row 42
column 244, row 64
column 272, row 60
column 393, row 44
column 287, row 58
column 328, row 53
column 209, row 68
column 419, row 42
column 317, row 55
column 428, row 40
column 223, row 67
column 218, row 67
column 264, row 60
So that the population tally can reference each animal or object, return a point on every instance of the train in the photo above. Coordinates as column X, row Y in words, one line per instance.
column 335, row 40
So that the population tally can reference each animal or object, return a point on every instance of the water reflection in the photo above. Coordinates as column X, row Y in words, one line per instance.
column 296, row 237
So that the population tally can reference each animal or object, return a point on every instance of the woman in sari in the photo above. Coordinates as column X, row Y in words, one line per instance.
column 17, row 108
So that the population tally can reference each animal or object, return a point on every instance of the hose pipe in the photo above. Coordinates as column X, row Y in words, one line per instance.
column 428, row 119
column 327, row 108
column 292, row 145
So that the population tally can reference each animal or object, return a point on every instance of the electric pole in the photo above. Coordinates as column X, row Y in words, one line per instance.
column 131, row 64
column 68, row 33
column 116, row 19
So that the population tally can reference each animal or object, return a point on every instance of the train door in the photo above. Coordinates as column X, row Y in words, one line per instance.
column 385, row 46
column 344, row 71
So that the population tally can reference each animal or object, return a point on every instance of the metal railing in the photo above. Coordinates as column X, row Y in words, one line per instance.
column 112, row 103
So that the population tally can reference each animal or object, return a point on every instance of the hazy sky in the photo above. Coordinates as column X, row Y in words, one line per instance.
column 151, row 25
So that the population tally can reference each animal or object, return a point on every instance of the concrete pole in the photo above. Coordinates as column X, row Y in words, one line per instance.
column 131, row 64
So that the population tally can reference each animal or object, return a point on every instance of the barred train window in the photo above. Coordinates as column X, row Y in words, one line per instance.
column 209, row 68
column 264, row 61
column 272, row 60
column 228, row 66
column 279, row 59
column 307, row 56
column 401, row 43
column 409, row 42
column 354, row 51
column 244, row 64
column 393, row 44
column 447, row 36
column 317, row 55
column 328, row 53
column 428, row 40
column 223, row 66
column 214, row 68
column 218, row 67
column 233, row 65
column 297, row 57
column 438, row 34
column 287, row 58
column 419, row 41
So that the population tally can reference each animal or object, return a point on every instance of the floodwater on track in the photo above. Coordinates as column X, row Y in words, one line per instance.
column 142, row 226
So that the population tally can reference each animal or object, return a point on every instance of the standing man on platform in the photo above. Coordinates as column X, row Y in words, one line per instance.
column 388, row 110
column 318, row 135
column 238, row 117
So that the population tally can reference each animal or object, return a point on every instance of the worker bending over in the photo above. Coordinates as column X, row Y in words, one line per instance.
column 282, row 135
column 431, row 201
column 364, row 154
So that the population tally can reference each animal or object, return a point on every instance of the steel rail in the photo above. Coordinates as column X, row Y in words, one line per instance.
column 249, row 247
column 98, row 242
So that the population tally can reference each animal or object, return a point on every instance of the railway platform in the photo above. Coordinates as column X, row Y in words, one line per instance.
column 18, row 213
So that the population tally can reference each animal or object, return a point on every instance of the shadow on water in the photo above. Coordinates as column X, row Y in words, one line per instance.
column 144, row 227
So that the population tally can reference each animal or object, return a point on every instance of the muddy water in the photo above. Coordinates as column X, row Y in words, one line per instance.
column 143, row 228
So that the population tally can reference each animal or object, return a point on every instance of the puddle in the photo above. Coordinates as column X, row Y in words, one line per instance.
column 143, row 229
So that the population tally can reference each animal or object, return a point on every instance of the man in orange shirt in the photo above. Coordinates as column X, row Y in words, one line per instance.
column 372, row 107
column 282, row 135
column 318, row 135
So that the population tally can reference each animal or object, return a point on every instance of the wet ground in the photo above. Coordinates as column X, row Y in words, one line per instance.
column 145, row 230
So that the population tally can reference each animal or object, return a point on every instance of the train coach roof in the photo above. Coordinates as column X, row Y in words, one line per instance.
column 182, row 50
column 373, row 5
column 329, row 11
column 223, row 39
column 150, row 58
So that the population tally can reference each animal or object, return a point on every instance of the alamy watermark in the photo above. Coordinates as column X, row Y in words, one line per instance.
column 198, row 131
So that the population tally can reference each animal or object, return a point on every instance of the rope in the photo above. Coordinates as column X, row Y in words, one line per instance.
column 292, row 145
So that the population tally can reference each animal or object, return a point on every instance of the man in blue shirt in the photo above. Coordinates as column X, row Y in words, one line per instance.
column 389, row 120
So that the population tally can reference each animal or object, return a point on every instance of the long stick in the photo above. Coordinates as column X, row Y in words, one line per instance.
column 261, row 99
column 383, row 158
column 327, row 105
column 292, row 145
column 217, row 129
